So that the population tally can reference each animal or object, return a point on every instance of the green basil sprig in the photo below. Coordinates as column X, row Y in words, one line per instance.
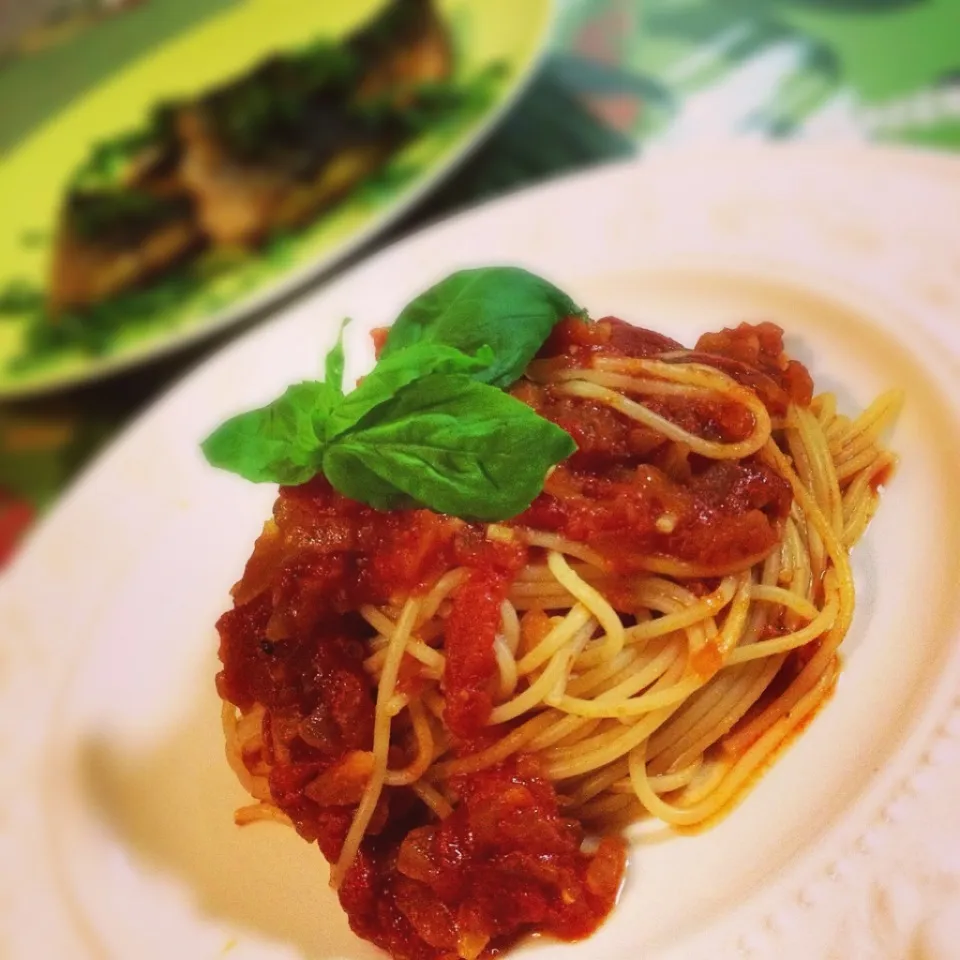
column 428, row 426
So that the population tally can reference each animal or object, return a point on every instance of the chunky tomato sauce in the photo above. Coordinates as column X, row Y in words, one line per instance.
column 506, row 862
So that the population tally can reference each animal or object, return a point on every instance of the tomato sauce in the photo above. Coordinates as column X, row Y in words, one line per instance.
column 506, row 862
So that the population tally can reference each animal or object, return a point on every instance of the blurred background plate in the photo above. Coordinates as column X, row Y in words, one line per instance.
column 88, row 80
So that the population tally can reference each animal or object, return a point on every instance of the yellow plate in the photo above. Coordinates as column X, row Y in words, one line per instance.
column 80, row 84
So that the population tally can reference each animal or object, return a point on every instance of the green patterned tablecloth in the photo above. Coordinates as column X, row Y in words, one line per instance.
column 855, row 70
column 621, row 73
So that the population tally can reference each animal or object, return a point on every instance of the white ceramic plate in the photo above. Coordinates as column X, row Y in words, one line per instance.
column 116, row 834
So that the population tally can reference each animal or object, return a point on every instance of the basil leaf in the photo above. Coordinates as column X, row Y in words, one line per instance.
column 333, row 363
column 510, row 309
column 350, row 475
column 278, row 443
column 451, row 444
column 396, row 371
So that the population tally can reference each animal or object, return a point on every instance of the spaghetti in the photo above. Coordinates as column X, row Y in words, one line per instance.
column 447, row 706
